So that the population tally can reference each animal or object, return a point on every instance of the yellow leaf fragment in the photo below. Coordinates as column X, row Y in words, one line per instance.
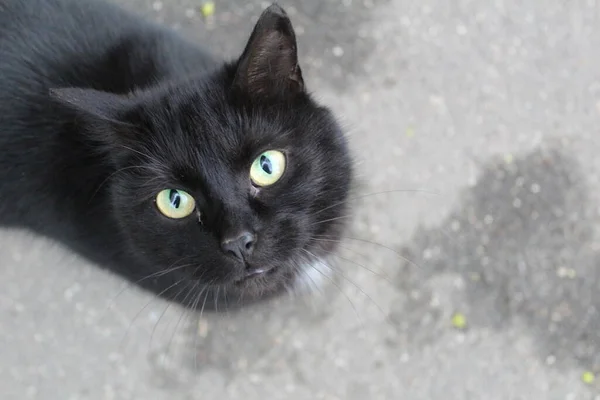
column 588, row 377
column 208, row 9
column 459, row 321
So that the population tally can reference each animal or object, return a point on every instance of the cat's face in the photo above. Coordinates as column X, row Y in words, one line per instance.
column 236, row 180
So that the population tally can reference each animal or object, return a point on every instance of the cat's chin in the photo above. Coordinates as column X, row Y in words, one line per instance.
column 312, row 276
column 303, row 278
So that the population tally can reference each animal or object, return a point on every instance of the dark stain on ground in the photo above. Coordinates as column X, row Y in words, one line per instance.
column 523, row 242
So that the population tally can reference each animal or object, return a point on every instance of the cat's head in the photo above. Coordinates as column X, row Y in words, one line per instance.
column 235, row 180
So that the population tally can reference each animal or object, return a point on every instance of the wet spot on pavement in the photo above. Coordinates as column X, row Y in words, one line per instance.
column 520, row 249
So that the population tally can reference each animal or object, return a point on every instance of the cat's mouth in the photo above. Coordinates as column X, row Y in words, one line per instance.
column 254, row 273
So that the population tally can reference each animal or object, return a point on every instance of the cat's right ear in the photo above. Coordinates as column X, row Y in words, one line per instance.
column 269, row 67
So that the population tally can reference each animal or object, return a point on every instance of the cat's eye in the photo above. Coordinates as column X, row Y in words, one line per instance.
column 267, row 168
column 175, row 203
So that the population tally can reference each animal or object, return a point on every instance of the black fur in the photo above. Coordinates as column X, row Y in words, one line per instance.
column 100, row 111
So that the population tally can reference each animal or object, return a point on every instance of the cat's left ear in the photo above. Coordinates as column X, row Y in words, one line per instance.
column 92, row 103
column 103, row 113
column 269, row 64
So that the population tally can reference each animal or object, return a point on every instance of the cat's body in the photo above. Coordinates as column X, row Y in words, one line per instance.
column 100, row 111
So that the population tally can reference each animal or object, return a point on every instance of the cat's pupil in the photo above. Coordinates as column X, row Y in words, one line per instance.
column 175, row 198
column 265, row 164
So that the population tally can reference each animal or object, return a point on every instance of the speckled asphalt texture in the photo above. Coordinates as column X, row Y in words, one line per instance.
column 475, row 127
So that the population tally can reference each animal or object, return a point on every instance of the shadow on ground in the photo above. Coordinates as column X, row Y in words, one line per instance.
column 521, row 248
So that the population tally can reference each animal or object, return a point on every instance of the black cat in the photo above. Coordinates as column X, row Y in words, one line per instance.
column 198, row 179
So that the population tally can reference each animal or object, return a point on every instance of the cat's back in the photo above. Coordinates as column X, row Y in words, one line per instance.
column 52, row 30
column 56, row 42
column 86, row 43
column 44, row 20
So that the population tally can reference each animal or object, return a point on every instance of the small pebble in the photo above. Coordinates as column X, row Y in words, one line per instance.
column 157, row 6
column 455, row 226
column 203, row 328
column 564, row 272
column 337, row 51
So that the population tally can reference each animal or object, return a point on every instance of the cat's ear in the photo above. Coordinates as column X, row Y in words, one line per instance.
column 93, row 103
column 269, row 64
column 103, row 114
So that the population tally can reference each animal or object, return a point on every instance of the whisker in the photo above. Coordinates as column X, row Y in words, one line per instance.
column 312, row 265
column 452, row 239
column 199, row 319
column 148, row 156
column 370, row 242
column 127, row 125
column 358, row 288
column 165, row 355
column 183, row 312
column 377, row 274
column 300, row 269
column 225, row 299
column 162, row 314
column 331, row 219
column 196, row 333
column 361, row 290
column 146, row 306
column 217, row 299
column 157, row 274
column 205, row 298
column 175, row 299
column 373, row 194
column 116, row 172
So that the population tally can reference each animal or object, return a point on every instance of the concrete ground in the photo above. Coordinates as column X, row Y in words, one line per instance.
column 492, row 108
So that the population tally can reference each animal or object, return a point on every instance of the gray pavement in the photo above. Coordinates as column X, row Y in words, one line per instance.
column 492, row 108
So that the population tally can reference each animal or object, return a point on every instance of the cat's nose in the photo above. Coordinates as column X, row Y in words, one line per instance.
column 239, row 246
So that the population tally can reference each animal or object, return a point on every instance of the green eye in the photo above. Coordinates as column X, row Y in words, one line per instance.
column 267, row 168
column 175, row 203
